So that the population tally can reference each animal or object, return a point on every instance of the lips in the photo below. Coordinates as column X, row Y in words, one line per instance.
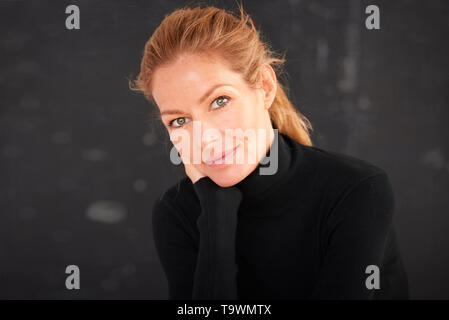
column 212, row 161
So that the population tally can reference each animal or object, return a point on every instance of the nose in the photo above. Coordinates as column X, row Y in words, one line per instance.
column 211, row 139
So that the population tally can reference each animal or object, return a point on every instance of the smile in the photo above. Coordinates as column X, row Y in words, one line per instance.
column 221, row 160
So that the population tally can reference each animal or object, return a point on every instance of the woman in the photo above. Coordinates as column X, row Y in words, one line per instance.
column 314, row 224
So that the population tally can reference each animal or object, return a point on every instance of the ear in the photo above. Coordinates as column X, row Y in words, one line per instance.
column 269, row 85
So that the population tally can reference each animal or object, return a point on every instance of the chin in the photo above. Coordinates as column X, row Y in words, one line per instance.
column 229, row 176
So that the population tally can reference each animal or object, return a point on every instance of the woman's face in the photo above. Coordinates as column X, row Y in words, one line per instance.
column 210, row 111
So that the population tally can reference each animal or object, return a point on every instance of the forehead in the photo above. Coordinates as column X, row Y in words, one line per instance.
column 182, row 82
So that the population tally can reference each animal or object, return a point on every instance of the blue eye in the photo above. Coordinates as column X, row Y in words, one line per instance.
column 178, row 122
column 221, row 101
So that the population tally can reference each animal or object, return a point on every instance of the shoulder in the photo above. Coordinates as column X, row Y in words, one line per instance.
column 353, row 194
column 334, row 178
column 340, row 165
column 337, row 171
column 177, row 202
column 355, row 187
column 177, row 192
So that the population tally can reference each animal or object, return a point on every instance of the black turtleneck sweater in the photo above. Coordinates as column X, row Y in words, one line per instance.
column 307, row 232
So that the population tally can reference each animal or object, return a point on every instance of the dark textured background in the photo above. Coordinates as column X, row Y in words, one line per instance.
column 81, row 164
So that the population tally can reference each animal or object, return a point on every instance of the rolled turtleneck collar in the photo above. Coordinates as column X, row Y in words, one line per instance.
column 266, row 175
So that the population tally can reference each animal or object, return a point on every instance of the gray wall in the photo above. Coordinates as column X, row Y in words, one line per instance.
column 81, row 163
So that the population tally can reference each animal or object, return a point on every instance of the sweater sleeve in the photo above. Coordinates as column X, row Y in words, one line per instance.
column 175, row 248
column 206, row 270
column 356, row 234
column 216, row 269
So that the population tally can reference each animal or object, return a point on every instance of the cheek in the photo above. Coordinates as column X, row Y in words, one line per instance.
column 252, row 117
column 182, row 141
column 253, row 112
column 239, row 116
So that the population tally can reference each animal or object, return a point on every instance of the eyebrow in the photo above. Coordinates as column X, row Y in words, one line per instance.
column 208, row 92
column 172, row 111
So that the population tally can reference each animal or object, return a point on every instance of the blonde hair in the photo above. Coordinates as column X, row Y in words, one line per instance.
column 235, row 38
